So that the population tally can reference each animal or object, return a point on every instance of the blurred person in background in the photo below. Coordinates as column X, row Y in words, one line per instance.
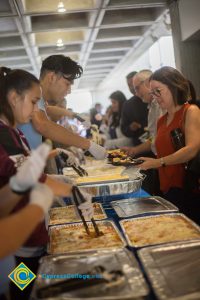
column 96, row 115
column 59, row 113
column 134, row 114
column 114, row 136
column 193, row 99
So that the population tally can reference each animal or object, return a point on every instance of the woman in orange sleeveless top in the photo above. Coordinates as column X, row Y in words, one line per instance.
column 171, row 90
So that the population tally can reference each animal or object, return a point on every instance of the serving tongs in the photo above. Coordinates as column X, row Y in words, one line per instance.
column 110, row 279
column 78, row 199
column 79, row 170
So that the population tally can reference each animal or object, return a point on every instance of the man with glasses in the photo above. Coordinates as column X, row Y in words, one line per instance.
column 58, row 73
column 134, row 114
column 142, row 90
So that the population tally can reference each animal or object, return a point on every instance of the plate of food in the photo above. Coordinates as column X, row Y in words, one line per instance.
column 125, row 161
column 116, row 153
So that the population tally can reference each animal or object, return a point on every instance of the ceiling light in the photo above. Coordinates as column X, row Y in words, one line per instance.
column 61, row 7
column 59, row 43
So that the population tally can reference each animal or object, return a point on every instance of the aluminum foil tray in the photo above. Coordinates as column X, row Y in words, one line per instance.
column 114, row 188
column 95, row 170
column 67, row 214
column 173, row 270
column 72, row 237
column 142, row 206
column 159, row 229
column 131, row 286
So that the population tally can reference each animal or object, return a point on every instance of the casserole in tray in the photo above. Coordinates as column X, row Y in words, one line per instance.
column 72, row 237
column 152, row 230
column 67, row 214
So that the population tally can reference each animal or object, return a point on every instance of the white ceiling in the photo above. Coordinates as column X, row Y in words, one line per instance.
column 100, row 34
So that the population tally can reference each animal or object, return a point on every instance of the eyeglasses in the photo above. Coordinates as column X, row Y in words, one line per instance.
column 137, row 87
column 156, row 92
column 68, row 77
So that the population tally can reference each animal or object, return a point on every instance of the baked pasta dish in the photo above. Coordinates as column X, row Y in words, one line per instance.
column 96, row 171
column 73, row 237
column 161, row 229
column 102, row 178
column 67, row 214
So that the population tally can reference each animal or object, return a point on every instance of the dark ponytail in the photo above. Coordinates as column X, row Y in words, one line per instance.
column 18, row 80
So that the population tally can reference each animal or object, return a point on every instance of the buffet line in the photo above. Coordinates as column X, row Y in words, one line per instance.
column 146, row 249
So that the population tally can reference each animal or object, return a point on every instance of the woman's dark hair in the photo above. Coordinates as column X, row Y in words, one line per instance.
column 175, row 81
column 18, row 80
column 120, row 98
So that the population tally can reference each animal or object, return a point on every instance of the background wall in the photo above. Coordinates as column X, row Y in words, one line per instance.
column 189, row 11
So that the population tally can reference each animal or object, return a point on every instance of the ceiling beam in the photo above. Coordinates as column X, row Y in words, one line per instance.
column 19, row 20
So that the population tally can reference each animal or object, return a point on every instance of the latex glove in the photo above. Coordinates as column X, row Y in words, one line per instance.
column 86, row 124
column 79, row 154
column 87, row 210
column 29, row 173
column 97, row 151
column 87, row 206
column 42, row 196
column 62, row 178
column 132, row 172
column 71, row 160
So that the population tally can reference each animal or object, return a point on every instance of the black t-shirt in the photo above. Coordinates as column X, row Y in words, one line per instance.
column 134, row 110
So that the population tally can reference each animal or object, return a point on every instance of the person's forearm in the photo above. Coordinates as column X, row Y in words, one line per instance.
column 8, row 200
column 126, row 130
column 59, row 188
column 15, row 229
column 144, row 147
column 58, row 133
column 183, row 155
column 53, row 153
column 56, row 113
